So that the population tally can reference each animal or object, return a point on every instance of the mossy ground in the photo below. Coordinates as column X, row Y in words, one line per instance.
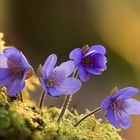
column 23, row 121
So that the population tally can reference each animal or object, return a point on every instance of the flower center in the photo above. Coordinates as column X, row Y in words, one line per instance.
column 51, row 81
column 116, row 105
column 17, row 71
column 87, row 61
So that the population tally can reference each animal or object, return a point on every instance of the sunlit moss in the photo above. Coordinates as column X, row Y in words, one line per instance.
column 27, row 122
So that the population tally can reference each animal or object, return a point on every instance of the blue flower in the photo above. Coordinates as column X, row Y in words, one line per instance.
column 120, row 105
column 14, row 70
column 89, row 60
column 55, row 80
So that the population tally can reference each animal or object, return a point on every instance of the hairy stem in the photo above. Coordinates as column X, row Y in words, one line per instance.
column 21, row 97
column 41, row 101
column 64, row 107
column 86, row 116
column 66, row 101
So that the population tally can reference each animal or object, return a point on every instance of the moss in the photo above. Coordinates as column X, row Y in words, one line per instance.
column 23, row 121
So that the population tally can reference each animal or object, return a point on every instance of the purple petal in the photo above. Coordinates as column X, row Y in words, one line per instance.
column 111, row 117
column 106, row 104
column 76, row 55
column 123, row 119
column 16, row 86
column 67, row 68
column 98, row 64
column 93, row 71
column 54, row 92
column 26, row 66
column 99, row 61
column 25, row 63
column 4, row 73
column 59, row 74
column 6, row 78
column 12, row 54
column 97, row 49
column 125, row 93
column 132, row 106
column 68, row 86
column 83, row 74
column 43, row 81
column 3, row 61
column 49, row 64
column 89, row 53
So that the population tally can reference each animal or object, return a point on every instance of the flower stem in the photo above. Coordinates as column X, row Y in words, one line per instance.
column 66, row 101
column 21, row 97
column 64, row 107
column 86, row 116
column 41, row 101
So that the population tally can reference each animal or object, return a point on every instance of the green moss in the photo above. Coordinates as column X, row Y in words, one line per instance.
column 23, row 121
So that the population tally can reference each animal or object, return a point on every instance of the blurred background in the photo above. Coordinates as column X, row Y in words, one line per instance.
column 40, row 28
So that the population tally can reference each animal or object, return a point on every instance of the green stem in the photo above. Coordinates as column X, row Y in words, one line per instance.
column 66, row 101
column 86, row 116
column 41, row 101
column 21, row 97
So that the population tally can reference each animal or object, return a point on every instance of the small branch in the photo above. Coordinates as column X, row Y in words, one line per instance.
column 21, row 97
column 66, row 101
column 86, row 116
column 41, row 101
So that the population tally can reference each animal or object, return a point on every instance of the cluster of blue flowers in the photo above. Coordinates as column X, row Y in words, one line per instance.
column 63, row 79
